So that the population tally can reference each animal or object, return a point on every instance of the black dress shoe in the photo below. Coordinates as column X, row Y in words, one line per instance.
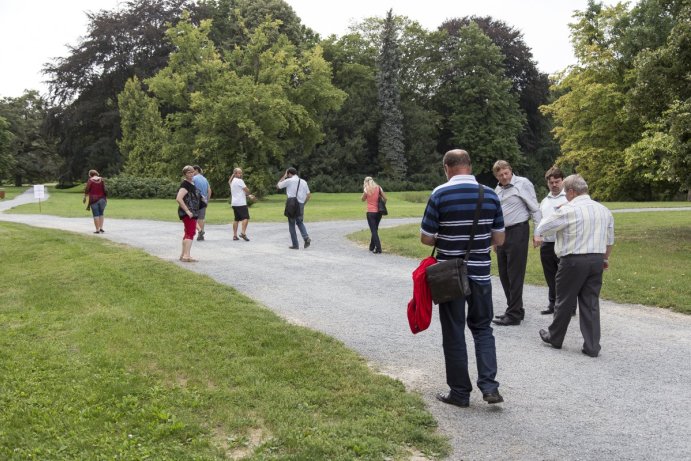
column 500, row 316
column 544, row 335
column 549, row 310
column 446, row 398
column 505, row 321
column 494, row 397
column 588, row 354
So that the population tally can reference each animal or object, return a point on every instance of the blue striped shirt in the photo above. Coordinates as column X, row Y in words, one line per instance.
column 449, row 218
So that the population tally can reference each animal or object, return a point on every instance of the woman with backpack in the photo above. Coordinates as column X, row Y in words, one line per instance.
column 189, row 202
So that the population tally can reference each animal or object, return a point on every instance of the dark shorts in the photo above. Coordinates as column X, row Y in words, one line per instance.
column 241, row 213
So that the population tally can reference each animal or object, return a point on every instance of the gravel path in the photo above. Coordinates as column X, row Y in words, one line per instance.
column 633, row 402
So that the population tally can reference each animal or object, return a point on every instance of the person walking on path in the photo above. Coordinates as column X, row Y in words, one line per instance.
column 447, row 224
column 298, row 188
column 238, row 201
column 95, row 192
column 584, row 232
column 371, row 194
column 202, row 185
column 189, row 201
column 518, row 203
column 549, row 259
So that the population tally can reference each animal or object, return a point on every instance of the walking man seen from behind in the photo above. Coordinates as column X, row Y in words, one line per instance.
column 204, row 188
column 584, row 232
column 447, row 223
column 549, row 205
column 518, row 203
column 296, row 187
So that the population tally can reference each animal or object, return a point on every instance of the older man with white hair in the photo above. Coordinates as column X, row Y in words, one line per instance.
column 584, row 232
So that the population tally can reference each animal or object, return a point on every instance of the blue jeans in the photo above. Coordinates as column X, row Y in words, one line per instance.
column 453, row 320
column 297, row 221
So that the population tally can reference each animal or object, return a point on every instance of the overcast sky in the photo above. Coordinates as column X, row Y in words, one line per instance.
column 34, row 31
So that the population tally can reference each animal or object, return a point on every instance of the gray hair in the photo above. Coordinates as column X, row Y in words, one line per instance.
column 576, row 183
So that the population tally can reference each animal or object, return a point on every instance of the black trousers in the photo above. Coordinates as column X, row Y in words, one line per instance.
column 550, row 265
column 512, row 258
column 373, row 220
column 579, row 279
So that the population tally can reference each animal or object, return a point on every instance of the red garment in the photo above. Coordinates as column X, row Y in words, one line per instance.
column 420, row 306
column 95, row 189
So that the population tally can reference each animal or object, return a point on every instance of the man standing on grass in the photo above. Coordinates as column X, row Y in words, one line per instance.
column 238, row 201
column 584, row 232
column 447, row 224
column 296, row 187
column 204, row 188
column 519, row 204
column 549, row 205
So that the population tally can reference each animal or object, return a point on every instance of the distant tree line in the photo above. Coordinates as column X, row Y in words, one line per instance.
column 158, row 84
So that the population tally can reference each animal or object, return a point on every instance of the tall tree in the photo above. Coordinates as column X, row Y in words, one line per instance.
column 258, row 109
column 7, row 160
column 119, row 44
column 621, row 117
column 480, row 111
column 33, row 151
column 391, row 145
column 538, row 147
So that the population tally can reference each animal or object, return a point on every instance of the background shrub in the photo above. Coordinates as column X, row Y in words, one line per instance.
column 126, row 186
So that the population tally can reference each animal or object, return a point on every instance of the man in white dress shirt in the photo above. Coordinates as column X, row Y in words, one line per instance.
column 550, row 262
column 296, row 187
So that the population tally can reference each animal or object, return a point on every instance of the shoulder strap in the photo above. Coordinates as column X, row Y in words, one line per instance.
column 476, row 218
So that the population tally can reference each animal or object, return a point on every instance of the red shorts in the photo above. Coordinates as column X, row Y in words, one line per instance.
column 190, row 227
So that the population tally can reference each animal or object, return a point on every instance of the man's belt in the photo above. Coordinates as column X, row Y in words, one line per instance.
column 516, row 225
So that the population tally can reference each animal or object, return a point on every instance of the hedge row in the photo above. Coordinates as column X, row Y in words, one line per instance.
column 125, row 186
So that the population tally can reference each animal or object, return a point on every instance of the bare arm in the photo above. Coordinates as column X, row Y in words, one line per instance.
column 180, row 199
column 308, row 197
column 428, row 240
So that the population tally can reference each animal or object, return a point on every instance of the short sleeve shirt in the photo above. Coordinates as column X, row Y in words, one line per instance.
column 237, row 192
column 449, row 217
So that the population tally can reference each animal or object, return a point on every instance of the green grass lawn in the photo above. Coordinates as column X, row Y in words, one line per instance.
column 650, row 262
column 322, row 207
column 108, row 353
column 11, row 191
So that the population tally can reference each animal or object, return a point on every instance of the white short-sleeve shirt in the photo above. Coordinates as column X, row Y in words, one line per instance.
column 237, row 192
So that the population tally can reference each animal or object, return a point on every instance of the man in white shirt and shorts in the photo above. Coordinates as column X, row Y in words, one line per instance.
column 238, row 201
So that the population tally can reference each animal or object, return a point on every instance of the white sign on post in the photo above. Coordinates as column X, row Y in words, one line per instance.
column 39, row 191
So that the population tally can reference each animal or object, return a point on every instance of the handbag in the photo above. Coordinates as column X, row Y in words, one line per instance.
column 292, row 209
column 448, row 280
column 381, row 204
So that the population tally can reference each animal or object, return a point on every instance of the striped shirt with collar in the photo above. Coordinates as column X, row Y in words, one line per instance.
column 449, row 218
column 549, row 205
column 518, row 201
column 582, row 226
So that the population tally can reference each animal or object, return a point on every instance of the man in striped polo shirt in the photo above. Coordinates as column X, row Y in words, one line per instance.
column 447, row 223
column 584, row 232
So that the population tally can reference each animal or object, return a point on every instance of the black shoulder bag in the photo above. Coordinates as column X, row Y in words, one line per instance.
column 381, row 204
column 448, row 280
column 292, row 209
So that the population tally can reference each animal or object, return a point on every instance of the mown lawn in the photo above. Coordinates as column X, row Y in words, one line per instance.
column 650, row 262
column 322, row 207
column 108, row 353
